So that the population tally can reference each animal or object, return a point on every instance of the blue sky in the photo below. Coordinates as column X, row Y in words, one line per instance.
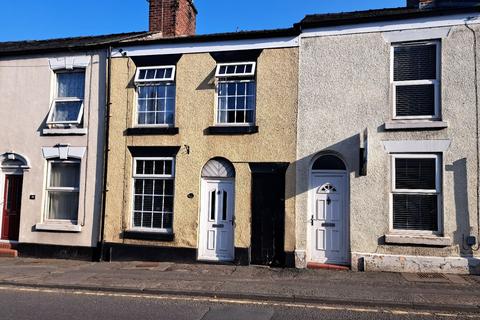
column 43, row 19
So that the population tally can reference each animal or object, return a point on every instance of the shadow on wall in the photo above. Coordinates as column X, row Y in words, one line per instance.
column 347, row 150
column 462, row 214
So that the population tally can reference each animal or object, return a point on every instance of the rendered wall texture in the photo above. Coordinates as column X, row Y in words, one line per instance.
column 26, row 92
column 195, row 101
column 352, row 93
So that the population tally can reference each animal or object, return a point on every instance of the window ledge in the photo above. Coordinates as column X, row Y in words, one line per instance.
column 142, row 131
column 429, row 240
column 65, row 132
column 59, row 227
column 415, row 124
column 146, row 235
column 230, row 130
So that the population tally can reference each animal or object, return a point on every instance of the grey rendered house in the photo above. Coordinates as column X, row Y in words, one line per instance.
column 387, row 144
column 52, row 102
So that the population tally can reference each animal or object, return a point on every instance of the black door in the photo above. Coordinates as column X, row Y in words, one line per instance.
column 268, row 213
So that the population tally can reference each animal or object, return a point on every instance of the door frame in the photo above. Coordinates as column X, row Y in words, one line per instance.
column 346, row 211
column 3, row 176
column 202, row 181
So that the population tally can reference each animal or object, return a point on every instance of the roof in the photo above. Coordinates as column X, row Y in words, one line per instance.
column 310, row 21
column 63, row 44
column 368, row 16
column 152, row 38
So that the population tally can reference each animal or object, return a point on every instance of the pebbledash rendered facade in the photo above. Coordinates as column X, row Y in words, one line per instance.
column 350, row 139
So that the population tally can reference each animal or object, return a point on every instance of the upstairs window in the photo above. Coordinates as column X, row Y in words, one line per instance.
column 153, row 194
column 67, row 107
column 155, row 96
column 416, row 80
column 416, row 192
column 236, row 93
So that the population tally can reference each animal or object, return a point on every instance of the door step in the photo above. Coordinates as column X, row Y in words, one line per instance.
column 8, row 253
column 326, row 266
column 8, row 250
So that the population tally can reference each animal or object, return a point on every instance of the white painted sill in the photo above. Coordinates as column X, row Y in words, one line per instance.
column 415, row 124
column 65, row 132
column 429, row 240
column 61, row 227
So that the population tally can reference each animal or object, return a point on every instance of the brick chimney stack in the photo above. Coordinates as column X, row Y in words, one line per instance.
column 173, row 18
column 428, row 4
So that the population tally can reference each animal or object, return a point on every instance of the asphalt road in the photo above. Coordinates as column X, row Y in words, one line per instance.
column 40, row 304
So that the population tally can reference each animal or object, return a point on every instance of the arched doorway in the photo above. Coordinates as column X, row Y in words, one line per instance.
column 12, row 166
column 328, row 211
column 217, row 211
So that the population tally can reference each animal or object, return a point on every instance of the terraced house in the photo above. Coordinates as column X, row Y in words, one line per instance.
column 388, row 146
column 52, row 101
column 202, row 140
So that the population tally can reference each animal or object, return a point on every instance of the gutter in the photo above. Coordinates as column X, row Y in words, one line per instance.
column 106, row 149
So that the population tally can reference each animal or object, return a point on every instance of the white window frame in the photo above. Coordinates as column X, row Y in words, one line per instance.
column 435, row 82
column 49, row 189
column 234, row 75
column 170, row 79
column 144, row 83
column 56, row 99
column 231, row 124
column 437, row 191
column 152, row 177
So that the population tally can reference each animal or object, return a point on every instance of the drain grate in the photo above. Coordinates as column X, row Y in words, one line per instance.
column 426, row 277
column 431, row 276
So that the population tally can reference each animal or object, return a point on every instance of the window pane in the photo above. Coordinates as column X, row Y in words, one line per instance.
column 415, row 62
column 156, row 100
column 66, row 111
column 153, row 202
column 213, row 204
column 65, row 175
column 71, row 84
column 415, row 212
column 62, row 205
column 417, row 100
column 415, row 174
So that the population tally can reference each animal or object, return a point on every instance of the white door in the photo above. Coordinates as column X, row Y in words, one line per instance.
column 328, row 219
column 217, row 220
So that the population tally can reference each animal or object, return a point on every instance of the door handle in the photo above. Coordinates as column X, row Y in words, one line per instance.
column 218, row 225
column 311, row 220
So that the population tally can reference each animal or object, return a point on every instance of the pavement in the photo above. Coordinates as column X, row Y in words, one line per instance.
column 249, row 283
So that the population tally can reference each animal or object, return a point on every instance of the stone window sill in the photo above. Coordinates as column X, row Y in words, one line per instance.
column 230, row 130
column 58, row 227
column 143, row 235
column 65, row 132
column 143, row 131
column 428, row 240
column 415, row 124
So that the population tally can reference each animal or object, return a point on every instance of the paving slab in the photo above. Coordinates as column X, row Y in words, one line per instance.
column 250, row 282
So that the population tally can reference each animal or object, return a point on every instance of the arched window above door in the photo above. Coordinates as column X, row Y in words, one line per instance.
column 218, row 168
column 329, row 162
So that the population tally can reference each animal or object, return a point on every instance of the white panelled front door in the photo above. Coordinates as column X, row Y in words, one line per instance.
column 327, row 221
column 217, row 220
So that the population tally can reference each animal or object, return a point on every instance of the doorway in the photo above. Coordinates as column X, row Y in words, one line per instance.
column 217, row 211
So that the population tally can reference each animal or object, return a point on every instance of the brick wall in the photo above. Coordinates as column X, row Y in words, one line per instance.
column 173, row 17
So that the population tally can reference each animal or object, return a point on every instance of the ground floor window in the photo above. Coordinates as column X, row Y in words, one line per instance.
column 153, row 180
column 63, row 185
column 416, row 192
